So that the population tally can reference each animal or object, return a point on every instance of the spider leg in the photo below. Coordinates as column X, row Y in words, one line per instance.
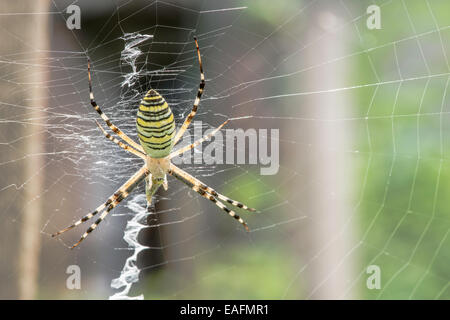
column 210, row 197
column 196, row 143
column 120, row 143
column 115, row 129
column 123, row 192
column 88, row 216
column 112, row 201
column 102, row 216
column 209, row 190
column 197, row 99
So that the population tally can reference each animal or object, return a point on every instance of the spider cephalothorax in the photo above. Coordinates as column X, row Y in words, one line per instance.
column 156, row 130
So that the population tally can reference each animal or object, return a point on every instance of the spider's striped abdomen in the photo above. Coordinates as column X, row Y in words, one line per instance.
column 155, row 125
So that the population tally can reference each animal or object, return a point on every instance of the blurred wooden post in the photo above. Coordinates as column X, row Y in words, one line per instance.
column 26, row 34
column 37, row 29
column 327, row 169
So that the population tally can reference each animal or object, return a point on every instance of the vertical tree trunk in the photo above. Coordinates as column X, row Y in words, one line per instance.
column 24, row 34
column 326, row 167
column 30, row 236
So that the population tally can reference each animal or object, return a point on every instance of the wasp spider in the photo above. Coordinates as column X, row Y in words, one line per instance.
column 157, row 136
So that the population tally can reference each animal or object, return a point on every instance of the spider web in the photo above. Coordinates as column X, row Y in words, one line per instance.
column 363, row 174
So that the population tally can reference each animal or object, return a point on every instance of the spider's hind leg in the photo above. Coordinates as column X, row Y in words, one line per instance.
column 197, row 188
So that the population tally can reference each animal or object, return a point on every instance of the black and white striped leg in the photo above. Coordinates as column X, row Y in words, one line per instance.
column 197, row 99
column 112, row 201
column 86, row 217
column 108, row 122
column 210, row 197
column 121, row 144
column 122, row 193
column 201, row 185
column 122, row 196
column 197, row 143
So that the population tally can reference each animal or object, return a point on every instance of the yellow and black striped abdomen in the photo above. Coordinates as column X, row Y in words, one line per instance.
column 155, row 125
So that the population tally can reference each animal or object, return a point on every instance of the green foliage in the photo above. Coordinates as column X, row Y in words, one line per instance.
column 260, row 272
column 404, row 213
